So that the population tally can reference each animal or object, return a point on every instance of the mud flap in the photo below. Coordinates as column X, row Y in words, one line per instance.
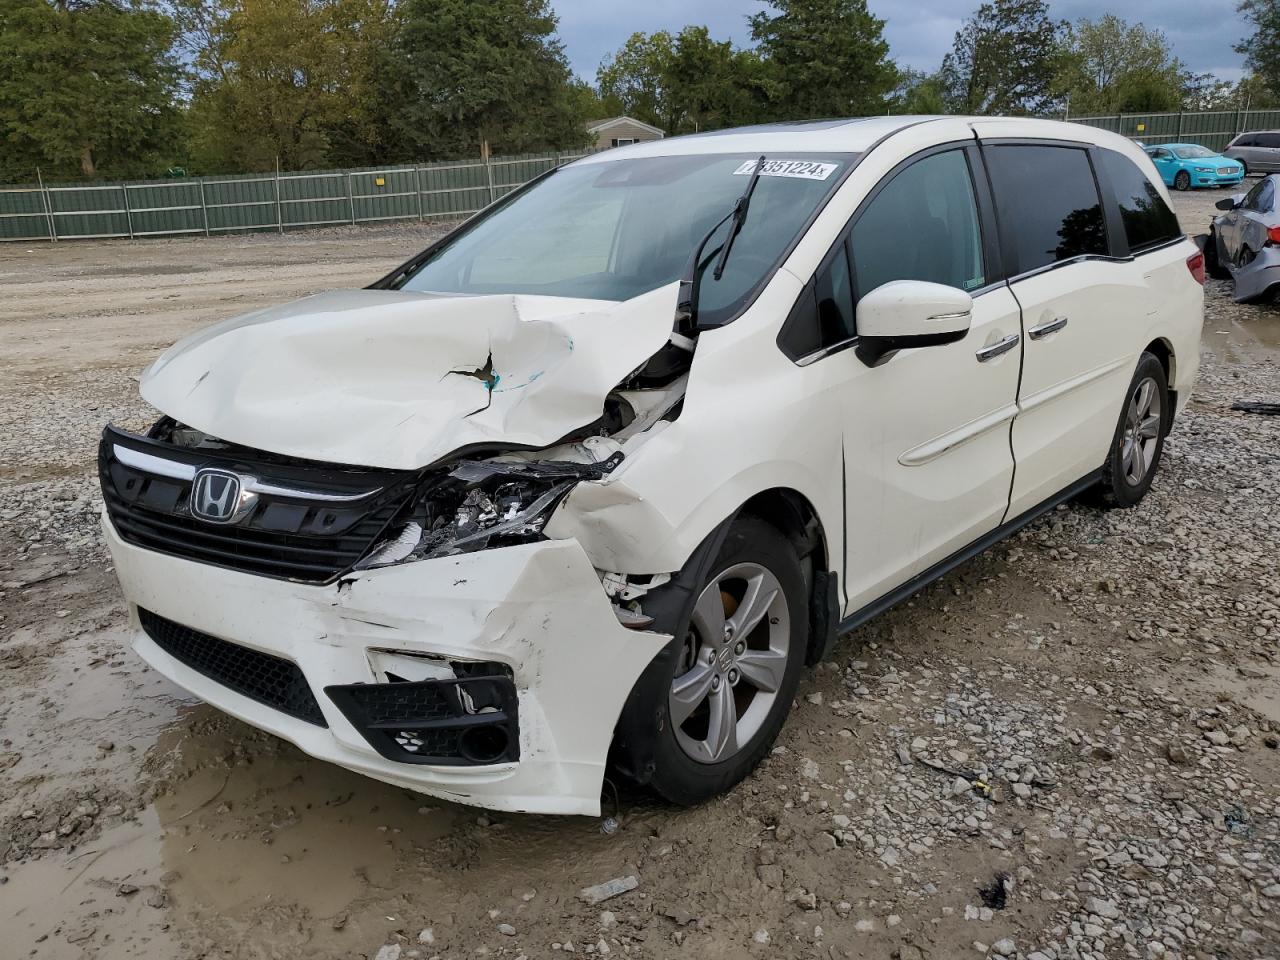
column 824, row 616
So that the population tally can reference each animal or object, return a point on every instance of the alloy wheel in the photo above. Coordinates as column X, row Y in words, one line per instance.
column 732, row 664
column 1140, row 436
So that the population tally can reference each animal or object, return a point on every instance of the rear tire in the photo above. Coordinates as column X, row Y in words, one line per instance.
column 1182, row 180
column 1135, row 451
column 711, row 704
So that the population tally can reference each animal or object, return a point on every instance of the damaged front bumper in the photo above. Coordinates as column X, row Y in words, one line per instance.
column 534, row 617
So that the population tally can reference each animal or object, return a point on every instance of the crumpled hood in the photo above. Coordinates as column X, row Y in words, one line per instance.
column 396, row 379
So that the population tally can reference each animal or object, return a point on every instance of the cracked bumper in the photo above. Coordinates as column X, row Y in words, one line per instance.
column 537, row 608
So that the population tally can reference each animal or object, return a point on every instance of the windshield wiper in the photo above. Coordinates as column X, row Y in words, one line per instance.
column 687, row 304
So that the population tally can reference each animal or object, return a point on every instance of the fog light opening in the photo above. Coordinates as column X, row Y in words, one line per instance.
column 487, row 744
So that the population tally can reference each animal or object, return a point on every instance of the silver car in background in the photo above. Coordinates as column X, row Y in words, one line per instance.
column 1244, row 242
column 1258, row 150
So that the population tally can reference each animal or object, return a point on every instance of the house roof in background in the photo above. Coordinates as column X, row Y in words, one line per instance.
column 595, row 126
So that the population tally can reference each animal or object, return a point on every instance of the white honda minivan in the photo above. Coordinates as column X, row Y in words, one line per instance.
column 587, row 483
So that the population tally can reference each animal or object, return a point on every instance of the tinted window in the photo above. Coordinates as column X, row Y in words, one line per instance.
column 1048, row 204
column 1266, row 197
column 922, row 226
column 1248, row 140
column 823, row 316
column 1269, row 140
column 1252, row 199
column 1148, row 221
column 835, row 300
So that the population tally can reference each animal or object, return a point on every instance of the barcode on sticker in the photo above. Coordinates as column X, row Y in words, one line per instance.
column 801, row 169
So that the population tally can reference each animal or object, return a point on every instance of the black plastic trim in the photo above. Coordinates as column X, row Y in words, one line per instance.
column 262, row 677
column 444, row 714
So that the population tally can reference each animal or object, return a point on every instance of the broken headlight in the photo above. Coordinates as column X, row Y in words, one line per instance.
column 482, row 504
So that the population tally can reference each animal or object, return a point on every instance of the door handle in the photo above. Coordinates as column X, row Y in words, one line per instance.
column 1042, row 330
column 997, row 348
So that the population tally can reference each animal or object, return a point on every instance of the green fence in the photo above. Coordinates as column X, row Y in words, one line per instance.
column 1214, row 129
column 270, row 202
column 426, row 191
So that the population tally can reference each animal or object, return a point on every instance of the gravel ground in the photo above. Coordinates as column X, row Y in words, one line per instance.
column 1067, row 748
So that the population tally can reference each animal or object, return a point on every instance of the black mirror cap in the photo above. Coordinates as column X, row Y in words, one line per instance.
column 1227, row 203
column 874, row 351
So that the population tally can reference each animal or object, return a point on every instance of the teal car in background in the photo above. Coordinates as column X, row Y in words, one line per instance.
column 1186, row 165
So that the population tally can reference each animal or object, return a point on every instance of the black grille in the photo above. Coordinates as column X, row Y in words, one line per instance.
column 259, row 676
column 295, row 538
column 465, row 722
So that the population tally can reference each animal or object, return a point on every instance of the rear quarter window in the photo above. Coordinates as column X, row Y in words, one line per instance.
column 1048, row 204
column 1148, row 221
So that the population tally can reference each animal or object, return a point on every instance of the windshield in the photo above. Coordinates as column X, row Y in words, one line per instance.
column 615, row 230
column 1193, row 153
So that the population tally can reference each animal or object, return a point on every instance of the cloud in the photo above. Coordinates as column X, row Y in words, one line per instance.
column 1202, row 31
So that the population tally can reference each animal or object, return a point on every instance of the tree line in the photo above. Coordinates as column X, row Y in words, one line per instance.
column 122, row 88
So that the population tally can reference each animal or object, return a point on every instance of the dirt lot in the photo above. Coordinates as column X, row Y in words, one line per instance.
column 1113, row 677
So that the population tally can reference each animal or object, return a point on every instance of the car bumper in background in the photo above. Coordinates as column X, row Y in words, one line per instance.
column 1216, row 179
column 535, row 612
column 1260, row 277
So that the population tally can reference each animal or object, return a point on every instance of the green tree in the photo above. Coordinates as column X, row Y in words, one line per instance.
column 1110, row 66
column 685, row 82
column 1261, row 49
column 484, row 71
column 919, row 93
column 301, row 81
column 825, row 58
column 638, row 78
column 86, row 87
column 1003, row 60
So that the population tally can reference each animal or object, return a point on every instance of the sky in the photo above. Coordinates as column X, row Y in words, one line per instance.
column 919, row 33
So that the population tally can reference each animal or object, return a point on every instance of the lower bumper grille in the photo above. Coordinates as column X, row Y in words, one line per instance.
column 273, row 681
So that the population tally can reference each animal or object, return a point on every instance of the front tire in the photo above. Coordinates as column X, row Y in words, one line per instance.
column 712, row 703
column 1139, row 439
column 1182, row 181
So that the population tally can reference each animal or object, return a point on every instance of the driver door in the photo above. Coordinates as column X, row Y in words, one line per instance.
column 928, row 462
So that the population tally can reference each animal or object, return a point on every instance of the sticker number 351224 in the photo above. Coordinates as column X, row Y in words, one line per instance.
column 802, row 169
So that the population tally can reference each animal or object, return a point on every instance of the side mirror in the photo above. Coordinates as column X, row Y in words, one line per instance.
column 910, row 313
column 1230, row 203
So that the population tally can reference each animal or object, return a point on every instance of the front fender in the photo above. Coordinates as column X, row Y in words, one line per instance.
column 623, row 530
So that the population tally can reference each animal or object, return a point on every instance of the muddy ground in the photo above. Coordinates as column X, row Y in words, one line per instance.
column 1067, row 748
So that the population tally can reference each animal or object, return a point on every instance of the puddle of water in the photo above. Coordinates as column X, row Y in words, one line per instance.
column 272, row 839
column 1260, row 694
column 1238, row 340
column 288, row 826
column 65, row 906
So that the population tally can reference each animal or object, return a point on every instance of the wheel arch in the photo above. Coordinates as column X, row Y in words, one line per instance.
column 796, row 518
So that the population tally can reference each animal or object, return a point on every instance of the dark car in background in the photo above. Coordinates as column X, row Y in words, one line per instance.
column 1258, row 150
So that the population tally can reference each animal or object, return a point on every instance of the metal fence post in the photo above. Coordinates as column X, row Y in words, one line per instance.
column 48, row 207
column 417, row 189
column 351, row 200
column 1179, row 125
column 128, row 214
column 279, row 216
column 488, row 172
column 204, row 208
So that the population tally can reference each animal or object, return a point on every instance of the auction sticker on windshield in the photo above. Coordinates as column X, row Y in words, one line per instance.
column 803, row 169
